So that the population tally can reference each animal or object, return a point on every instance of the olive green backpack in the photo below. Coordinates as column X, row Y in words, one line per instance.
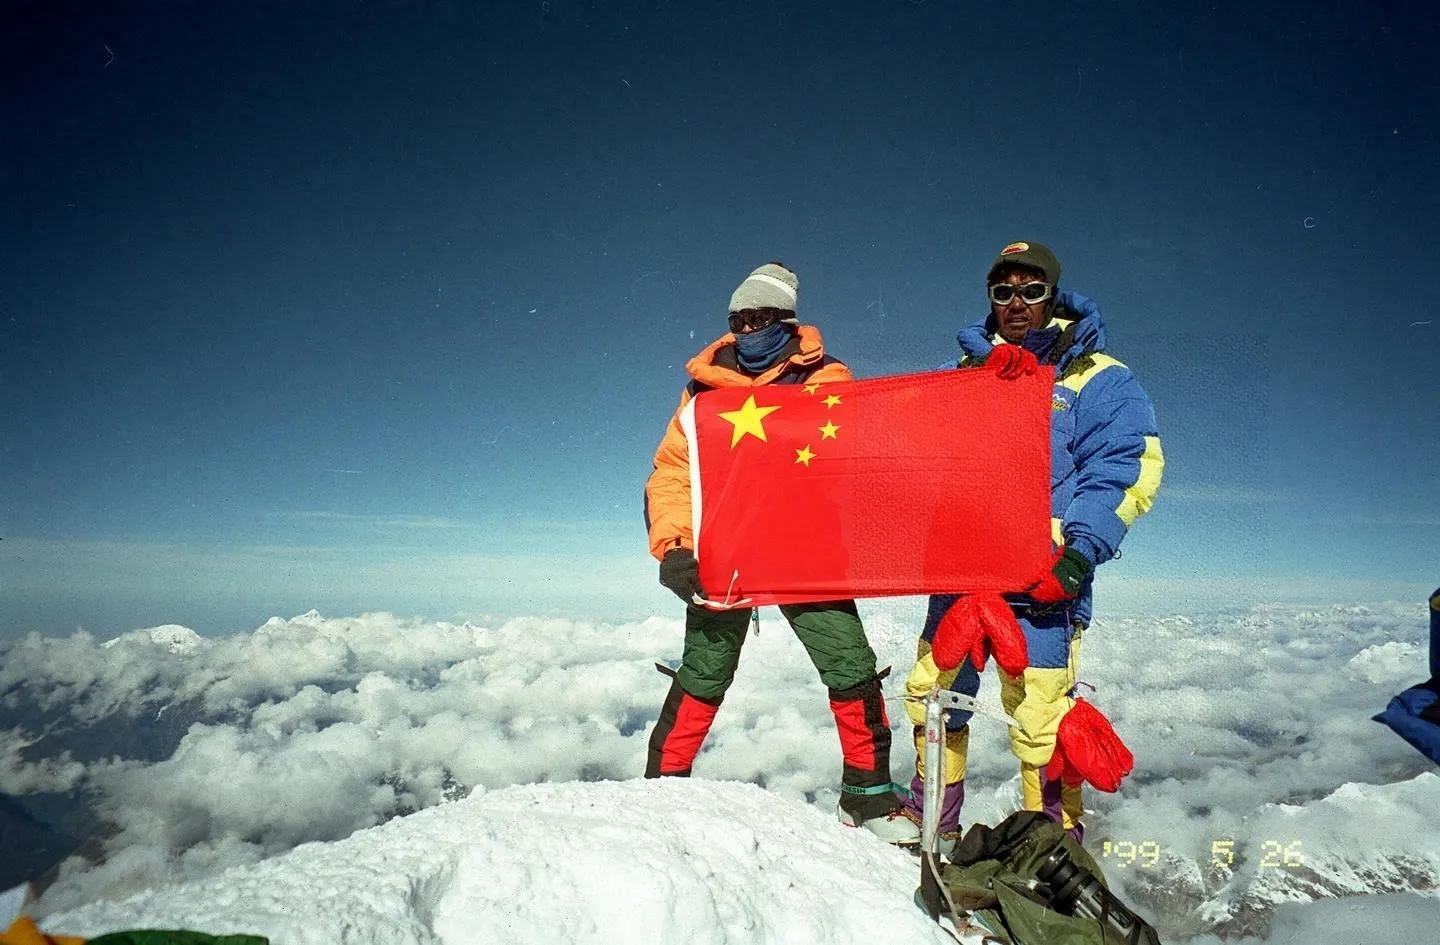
column 1028, row 883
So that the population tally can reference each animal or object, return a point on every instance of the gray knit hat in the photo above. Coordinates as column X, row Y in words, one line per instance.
column 770, row 286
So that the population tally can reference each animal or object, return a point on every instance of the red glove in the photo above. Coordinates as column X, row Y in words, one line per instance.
column 1062, row 579
column 1011, row 361
column 976, row 625
column 1087, row 749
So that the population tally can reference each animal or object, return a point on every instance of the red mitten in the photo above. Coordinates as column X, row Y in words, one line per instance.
column 1003, row 633
column 958, row 636
column 976, row 625
column 1011, row 362
column 1087, row 749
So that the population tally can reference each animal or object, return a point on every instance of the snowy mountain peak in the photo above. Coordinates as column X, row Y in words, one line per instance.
column 173, row 637
column 639, row 861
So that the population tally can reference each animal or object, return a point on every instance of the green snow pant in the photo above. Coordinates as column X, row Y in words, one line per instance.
column 830, row 631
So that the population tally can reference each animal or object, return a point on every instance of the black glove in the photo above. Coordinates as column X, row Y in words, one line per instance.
column 680, row 572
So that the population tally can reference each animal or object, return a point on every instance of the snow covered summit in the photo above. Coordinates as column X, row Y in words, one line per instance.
column 702, row 862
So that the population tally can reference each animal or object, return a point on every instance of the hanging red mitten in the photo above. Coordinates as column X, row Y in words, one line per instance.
column 1088, row 749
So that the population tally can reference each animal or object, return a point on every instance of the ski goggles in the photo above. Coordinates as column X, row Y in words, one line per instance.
column 1031, row 292
column 753, row 319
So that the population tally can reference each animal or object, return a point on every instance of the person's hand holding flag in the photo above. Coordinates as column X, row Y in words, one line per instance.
column 1010, row 362
column 680, row 574
column 1062, row 580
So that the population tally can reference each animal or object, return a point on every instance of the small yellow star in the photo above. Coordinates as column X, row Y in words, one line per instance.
column 832, row 400
column 827, row 432
column 748, row 420
column 811, row 388
column 804, row 455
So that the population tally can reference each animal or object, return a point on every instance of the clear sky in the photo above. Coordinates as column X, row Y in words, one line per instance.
column 385, row 305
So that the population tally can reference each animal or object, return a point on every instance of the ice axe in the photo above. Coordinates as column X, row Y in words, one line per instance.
column 932, row 894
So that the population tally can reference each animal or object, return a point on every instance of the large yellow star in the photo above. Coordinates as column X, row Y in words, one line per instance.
column 832, row 400
column 804, row 455
column 748, row 420
column 827, row 432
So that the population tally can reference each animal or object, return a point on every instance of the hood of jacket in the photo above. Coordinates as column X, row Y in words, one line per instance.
column 1071, row 309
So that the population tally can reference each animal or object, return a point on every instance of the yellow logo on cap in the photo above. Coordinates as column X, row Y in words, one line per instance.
column 1015, row 248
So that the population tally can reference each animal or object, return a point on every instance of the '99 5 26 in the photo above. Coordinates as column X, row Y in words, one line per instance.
column 1274, row 854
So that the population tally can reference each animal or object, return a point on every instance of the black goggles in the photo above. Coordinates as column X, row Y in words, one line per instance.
column 1002, row 292
column 753, row 319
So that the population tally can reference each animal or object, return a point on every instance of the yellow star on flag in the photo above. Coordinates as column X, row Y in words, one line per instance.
column 827, row 432
column 748, row 420
column 832, row 400
column 811, row 388
column 804, row 455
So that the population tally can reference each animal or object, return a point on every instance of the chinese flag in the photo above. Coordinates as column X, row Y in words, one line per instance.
column 913, row 484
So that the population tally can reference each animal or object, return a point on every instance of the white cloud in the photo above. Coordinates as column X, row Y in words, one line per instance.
column 311, row 728
column 21, row 776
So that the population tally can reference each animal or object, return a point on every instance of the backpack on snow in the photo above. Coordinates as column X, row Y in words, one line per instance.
column 1028, row 883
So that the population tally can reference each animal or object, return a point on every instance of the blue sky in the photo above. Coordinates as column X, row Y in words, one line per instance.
column 385, row 307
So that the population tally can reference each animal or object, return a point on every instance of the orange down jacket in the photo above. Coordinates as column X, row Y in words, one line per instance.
column 667, row 491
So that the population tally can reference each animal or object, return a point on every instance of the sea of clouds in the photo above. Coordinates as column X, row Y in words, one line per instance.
column 164, row 756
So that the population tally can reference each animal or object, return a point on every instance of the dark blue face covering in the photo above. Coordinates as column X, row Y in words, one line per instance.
column 1041, row 341
column 758, row 350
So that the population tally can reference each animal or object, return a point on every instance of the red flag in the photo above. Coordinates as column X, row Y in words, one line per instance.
column 912, row 484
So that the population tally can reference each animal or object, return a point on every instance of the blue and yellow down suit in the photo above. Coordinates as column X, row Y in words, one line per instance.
column 1105, row 470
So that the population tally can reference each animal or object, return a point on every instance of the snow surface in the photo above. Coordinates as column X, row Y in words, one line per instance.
column 1261, row 783
column 700, row 862
column 695, row 861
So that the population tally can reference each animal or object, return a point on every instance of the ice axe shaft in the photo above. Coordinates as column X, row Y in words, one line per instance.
column 934, row 761
column 937, row 703
column 934, row 772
